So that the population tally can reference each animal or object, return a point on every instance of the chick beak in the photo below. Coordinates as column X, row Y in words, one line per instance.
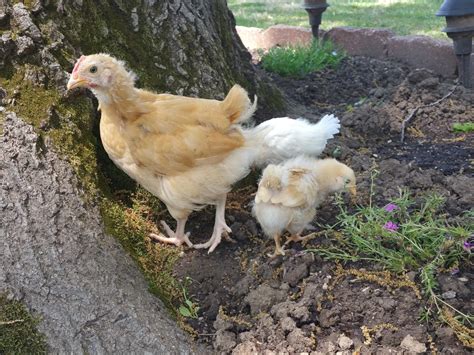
column 75, row 81
column 353, row 192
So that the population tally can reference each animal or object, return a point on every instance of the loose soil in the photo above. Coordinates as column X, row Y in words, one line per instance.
column 251, row 303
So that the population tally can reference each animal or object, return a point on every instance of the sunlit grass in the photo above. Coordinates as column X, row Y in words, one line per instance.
column 299, row 61
column 402, row 16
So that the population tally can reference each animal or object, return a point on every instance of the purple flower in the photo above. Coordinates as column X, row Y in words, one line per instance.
column 468, row 245
column 390, row 226
column 390, row 207
column 454, row 271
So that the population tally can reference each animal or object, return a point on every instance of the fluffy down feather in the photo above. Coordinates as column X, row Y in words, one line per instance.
column 288, row 194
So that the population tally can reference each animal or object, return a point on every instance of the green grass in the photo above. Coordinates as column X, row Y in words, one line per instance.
column 18, row 333
column 299, row 61
column 463, row 127
column 414, row 236
column 402, row 16
column 422, row 235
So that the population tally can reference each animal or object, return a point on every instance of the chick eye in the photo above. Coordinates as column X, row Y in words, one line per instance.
column 93, row 69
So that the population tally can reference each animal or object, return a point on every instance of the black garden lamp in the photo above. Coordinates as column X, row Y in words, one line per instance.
column 460, row 28
column 315, row 9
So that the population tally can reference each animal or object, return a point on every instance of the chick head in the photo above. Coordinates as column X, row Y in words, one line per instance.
column 99, row 72
column 344, row 178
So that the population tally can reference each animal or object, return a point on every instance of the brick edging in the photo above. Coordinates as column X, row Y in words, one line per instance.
column 416, row 51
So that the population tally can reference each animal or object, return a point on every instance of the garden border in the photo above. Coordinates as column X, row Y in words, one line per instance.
column 414, row 50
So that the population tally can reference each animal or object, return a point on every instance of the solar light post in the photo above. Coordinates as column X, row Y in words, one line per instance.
column 460, row 28
column 315, row 9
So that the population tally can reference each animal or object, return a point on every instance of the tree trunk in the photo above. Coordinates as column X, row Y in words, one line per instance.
column 54, row 254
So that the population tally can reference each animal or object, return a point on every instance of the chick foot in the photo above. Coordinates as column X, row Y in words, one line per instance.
column 177, row 238
column 297, row 238
column 279, row 250
column 220, row 228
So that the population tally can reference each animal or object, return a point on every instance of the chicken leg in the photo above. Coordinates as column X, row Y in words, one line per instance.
column 278, row 249
column 177, row 238
column 220, row 227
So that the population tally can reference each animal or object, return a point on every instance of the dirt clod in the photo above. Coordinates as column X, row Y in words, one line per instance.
column 412, row 345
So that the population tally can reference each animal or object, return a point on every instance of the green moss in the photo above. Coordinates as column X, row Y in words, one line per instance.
column 132, row 225
column 18, row 333
column 31, row 102
column 28, row 3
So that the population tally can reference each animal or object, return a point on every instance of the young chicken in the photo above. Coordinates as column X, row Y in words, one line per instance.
column 288, row 194
column 188, row 151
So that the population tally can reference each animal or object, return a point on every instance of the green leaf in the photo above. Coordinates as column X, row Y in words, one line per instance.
column 184, row 311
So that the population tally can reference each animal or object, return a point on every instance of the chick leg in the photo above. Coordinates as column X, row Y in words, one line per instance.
column 278, row 249
column 220, row 227
column 177, row 238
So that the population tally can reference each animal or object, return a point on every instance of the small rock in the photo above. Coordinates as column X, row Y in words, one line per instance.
column 345, row 342
column 444, row 332
column 327, row 318
column 413, row 345
column 295, row 273
column 298, row 340
column 224, row 341
column 245, row 348
column 379, row 93
column 430, row 83
column 288, row 324
column 418, row 75
column 328, row 347
column 263, row 298
column 448, row 295
column 463, row 279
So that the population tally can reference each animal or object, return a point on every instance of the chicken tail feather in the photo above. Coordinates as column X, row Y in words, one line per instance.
column 237, row 105
column 283, row 138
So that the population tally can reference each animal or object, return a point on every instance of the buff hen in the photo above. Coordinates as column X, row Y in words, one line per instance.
column 288, row 194
column 189, row 151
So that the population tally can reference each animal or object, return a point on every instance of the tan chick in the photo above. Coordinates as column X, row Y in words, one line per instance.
column 288, row 194
column 189, row 151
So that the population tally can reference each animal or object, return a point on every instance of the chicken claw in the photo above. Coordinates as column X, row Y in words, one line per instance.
column 220, row 228
column 177, row 238
column 297, row 238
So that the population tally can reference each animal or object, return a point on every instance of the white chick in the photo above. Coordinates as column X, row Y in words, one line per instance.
column 289, row 193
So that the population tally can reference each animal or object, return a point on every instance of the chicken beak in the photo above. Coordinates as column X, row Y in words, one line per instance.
column 353, row 192
column 76, row 82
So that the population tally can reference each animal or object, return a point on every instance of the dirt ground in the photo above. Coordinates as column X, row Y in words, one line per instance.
column 251, row 303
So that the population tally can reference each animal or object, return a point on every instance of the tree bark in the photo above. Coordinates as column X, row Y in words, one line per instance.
column 54, row 254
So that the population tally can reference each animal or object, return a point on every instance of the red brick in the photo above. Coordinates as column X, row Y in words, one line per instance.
column 368, row 42
column 424, row 52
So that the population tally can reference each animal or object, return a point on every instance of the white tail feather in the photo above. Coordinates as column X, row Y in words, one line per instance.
column 282, row 138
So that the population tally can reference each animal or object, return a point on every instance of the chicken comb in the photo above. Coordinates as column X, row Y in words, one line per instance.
column 76, row 66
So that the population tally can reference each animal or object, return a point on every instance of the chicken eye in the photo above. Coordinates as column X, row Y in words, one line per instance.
column 93, row 69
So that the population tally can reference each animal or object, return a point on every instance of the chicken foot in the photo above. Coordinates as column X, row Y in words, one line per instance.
column 220, row 228
column 278, row 248
column 297, row 238
column 177, row 238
